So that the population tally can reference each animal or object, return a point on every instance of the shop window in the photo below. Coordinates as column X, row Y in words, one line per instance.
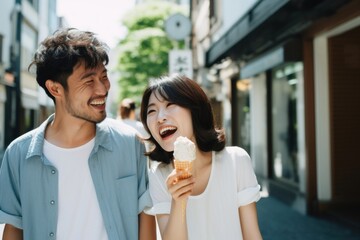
column 242, row 138
column 284, row 123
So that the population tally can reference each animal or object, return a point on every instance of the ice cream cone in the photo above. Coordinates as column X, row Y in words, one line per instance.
column 185, row 166
column 184, row 155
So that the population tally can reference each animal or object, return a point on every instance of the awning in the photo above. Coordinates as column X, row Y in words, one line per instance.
column 289, row 52
column 268, row 24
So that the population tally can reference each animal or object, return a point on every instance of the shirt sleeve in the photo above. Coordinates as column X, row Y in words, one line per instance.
column 10, row 205
column 143, row 182
column 160, row 196
column 247, row 185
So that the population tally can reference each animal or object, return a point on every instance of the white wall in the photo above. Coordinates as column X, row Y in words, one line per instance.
column 258, row 125
column 323, row 166
column 300, row 108
column 231, row 12
column 323, row 156
column 5, row 29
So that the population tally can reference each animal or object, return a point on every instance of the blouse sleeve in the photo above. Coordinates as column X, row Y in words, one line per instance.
column 160, row 197
column 248, row 188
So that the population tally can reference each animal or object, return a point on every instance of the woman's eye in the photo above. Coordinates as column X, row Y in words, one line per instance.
column 150, row 111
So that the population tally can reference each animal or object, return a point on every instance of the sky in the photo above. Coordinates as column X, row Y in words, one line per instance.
column 100, row 16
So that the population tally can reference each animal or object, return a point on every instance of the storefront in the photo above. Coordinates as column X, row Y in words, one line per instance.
column 294, row 101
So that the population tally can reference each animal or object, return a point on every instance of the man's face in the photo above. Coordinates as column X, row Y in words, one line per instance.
column 86, row 95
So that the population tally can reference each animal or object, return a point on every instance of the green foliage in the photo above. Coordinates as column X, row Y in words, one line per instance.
column 144, row 50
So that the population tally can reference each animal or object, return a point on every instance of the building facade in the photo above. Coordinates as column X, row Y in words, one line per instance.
column 23, row 24
column 286, row 76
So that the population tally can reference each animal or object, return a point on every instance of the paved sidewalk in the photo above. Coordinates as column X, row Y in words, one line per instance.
column 278, row 221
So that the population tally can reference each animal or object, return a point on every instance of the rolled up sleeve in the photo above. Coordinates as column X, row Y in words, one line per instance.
column 10, row 205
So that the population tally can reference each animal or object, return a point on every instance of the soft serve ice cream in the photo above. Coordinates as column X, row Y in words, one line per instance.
column 184, row 155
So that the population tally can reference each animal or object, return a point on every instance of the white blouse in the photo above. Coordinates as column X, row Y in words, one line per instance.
column 212, row 215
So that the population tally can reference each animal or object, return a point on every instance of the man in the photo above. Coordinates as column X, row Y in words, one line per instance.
column 73, row 178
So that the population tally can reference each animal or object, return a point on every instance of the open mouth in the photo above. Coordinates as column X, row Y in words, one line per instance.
column 167, row 131
column 98, row 102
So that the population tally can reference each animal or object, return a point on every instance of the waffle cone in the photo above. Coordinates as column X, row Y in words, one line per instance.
column 185, row 166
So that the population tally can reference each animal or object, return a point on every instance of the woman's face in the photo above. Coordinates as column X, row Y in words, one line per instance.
column 167, row 121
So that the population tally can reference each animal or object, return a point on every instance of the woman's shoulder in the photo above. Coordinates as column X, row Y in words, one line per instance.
column 236, row 156
column 234, row 152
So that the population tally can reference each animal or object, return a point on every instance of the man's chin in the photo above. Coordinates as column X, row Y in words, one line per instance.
column 101, row 119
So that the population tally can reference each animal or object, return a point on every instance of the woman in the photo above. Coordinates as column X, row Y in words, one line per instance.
column 220, row 196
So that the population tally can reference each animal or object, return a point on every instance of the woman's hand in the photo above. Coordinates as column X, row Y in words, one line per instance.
column 180, row 189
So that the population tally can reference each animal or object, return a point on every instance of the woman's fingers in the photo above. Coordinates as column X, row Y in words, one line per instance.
column 183, row 192
column 179, row 188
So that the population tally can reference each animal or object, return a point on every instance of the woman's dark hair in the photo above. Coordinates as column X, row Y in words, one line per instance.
column 59, row 53
column 186, row 93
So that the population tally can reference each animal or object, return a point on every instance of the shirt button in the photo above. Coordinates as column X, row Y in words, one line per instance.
column 53, row 171
column 51, row 234
column 52, row 202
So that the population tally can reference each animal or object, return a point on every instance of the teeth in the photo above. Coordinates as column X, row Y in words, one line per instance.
column 98, row 102
column 166, row 129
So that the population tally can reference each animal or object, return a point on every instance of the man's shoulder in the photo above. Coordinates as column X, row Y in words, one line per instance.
column 22, row 140
column 117, row 127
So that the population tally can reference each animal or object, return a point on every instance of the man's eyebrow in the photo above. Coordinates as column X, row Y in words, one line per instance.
column 88, row 74
column 92, row 73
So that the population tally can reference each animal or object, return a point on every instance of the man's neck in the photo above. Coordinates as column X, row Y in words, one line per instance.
column 69, row 134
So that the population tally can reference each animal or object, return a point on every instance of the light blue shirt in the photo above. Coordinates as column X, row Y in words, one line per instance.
column 29, row 183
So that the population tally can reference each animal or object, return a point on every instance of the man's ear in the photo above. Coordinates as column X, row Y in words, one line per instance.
column 53, row 87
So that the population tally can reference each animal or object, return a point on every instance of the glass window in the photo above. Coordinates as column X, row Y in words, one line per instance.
column 284, row 122
column 243, row 114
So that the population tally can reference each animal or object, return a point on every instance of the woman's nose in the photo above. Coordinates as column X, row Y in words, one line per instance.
column 161, row 117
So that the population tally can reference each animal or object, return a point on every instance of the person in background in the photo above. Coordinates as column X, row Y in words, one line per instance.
column 220, row 197
column 78, row 175
column 128, row 116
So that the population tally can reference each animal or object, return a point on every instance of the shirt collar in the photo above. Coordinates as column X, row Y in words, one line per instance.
column 102, row 138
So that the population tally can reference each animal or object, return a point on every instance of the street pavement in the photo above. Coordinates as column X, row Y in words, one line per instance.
column 278, row 221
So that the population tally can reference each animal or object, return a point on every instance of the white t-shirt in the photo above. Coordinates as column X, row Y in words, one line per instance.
column 79, row 215
column 212, row 215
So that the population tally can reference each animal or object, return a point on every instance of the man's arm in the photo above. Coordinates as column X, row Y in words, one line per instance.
column 12, row 233
column 147, row 227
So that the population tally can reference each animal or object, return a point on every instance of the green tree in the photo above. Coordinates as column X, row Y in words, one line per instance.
column 144, row 51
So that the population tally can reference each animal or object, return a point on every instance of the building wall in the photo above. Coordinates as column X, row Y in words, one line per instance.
column 231, row 11
column 327, row 143
column 258, row 128
column 6, row 28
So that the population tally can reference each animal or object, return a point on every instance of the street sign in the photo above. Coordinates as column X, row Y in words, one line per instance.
column 180, row 61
